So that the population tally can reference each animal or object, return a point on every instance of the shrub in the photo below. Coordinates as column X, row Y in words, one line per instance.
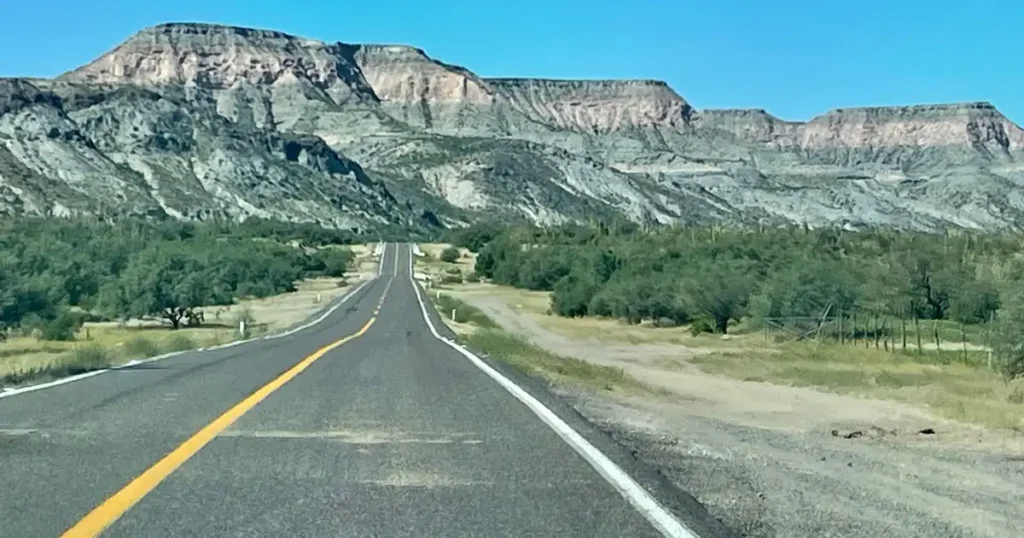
column 180, row 342
column 86, row 359
column 450, row 255
column 702, row 324
column 141, row 347
column 464, row 312
column 572, row 294
column 62, row 328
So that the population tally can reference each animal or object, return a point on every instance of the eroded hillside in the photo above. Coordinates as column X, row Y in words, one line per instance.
column 192, row 120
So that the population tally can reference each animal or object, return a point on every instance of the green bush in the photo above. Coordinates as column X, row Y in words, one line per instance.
column 62, row 328
column 450, row 255
column 701, row 325
column 572, row 295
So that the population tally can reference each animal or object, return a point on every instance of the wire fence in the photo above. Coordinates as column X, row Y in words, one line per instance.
column 973, row 342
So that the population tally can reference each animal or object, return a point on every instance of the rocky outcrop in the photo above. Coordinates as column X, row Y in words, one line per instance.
column 222, row 57
column 973, row 125
column 752, row 125
column 594, row 106
column 17, row 94
column 406, row 75
column 976, row 125
column 419, row 90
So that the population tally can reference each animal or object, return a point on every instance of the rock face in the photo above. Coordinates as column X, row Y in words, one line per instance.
column 197, row 120
column 595, row 106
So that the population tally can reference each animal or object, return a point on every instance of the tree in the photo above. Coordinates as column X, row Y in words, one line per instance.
column 572, row 294
column 720, row 289
column 1008, row 337
column 974, row 302
column 163, row 281
column 335, row 261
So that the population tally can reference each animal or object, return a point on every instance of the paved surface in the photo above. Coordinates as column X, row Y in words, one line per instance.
column 390, row 434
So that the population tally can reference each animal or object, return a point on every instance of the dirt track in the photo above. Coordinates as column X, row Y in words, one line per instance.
column 765, row 459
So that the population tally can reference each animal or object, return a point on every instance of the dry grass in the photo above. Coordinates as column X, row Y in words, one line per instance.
column 943, row 381
column 23, row 358
column 950, row 388
column 533, row 360
column 279, row 312
column 475, row 329
column 432, row 265
column 365, row 263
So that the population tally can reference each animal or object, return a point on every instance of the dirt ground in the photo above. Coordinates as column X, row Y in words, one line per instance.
column 776, row 461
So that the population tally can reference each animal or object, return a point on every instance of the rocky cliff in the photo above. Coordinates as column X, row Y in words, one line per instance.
column 191, row 120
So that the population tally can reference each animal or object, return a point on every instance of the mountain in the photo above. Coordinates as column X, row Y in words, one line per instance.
column 194, row 120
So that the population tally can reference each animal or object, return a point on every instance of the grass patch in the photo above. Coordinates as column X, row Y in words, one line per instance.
column 88, row 358
column 78, row 361
column 141, row 347
column 487, row 336
column 950, row 387
column 464, row 312
column 180, row 342
column 533, row 360
column 24, row 358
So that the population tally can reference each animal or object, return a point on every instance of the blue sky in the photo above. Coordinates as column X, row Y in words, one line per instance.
column 795, row 58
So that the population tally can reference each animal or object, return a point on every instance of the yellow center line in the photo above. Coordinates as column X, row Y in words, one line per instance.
column 104, row 515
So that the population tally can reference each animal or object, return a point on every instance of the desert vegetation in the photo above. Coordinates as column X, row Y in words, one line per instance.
column 900, row 291
column 67, row 280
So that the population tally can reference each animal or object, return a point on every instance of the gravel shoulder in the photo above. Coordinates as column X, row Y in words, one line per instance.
column 778, row 461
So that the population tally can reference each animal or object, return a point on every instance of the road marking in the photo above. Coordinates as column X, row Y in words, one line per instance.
column 7, row 392
column 659, row 516
column 116, row 505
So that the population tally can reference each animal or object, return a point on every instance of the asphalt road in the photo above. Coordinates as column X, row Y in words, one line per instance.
column 390, row 433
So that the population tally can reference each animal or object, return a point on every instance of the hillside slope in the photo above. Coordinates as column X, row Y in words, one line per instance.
column 194, row 120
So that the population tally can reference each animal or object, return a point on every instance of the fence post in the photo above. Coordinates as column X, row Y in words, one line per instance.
column 853, row 330
column 842, row 337
column 917, row 331
column 903, row 321
column 991, row 320
column 453, row 314
column 963, row 336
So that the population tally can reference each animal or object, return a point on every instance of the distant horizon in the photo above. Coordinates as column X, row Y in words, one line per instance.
column 895, row 59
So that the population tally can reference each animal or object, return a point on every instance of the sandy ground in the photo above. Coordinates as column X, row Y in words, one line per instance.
column 773, row 461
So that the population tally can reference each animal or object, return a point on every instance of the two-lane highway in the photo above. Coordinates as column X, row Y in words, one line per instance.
column 364, row 424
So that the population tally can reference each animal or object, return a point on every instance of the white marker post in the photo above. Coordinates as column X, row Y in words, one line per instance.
column 453, row 314
column 241, row 328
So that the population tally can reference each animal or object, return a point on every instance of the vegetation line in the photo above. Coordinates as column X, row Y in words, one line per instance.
column 957, row 295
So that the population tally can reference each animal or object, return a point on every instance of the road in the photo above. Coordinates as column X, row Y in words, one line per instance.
column 364, row 424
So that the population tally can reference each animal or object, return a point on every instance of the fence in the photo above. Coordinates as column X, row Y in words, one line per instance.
column 887, row 333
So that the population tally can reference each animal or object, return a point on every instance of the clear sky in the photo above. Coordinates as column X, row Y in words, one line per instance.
column 795, row 58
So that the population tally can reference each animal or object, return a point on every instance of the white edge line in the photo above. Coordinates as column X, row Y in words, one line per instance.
column 7, row 392
column 658, row 515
